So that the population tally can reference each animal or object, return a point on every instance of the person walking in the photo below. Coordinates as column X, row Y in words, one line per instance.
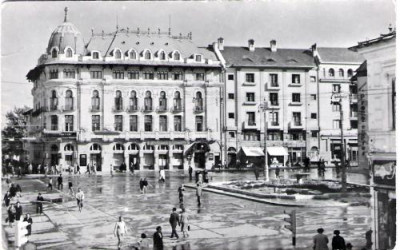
column 199, row 190
column 141, row 185
column 60, row 182
column 94, row 168
column 190, row 173
column 39, row 204
column 30, row 168
column 120, row 231
column 145, row 184
column 338, row 242
column 180, row 193
column 28, row 219
column 50, row 185
column 70, row 187
column 174, row 222
column 13, row 190
column 7, row 198
column 320, row 240
column 158, row 239
column 143, row 243
column 18, row 211
column 18, row 190
column 162, row 174
column 78, row 169
column 88, row 169
column 185, row 223
column 131, row 168
column 111, row 170
column 11, row 214
column 79, row 199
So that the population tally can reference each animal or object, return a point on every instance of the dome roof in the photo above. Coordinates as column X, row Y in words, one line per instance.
column 66, row 35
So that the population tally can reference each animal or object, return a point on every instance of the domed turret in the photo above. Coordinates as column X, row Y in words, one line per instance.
column 64, row 36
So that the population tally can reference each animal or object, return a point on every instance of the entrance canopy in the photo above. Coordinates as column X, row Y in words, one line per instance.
column 277, row 151
column 253, row 151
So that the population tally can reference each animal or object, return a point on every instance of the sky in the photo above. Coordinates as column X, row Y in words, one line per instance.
column 26, row 27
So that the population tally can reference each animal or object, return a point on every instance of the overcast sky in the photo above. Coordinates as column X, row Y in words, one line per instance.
column 27, row 26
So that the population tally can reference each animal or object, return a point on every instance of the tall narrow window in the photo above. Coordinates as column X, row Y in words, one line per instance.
column 331, row 72
column 199, row 76
column 199, row 123
column 336, row 88
column 198, row 102
column 148, row 75
column 95, row 122
column 297, row 118
column 54, row 53
column 133, row 75
column 132, row 55
column 177, row 76
column 147, row 55
column 162, row 55
column 69, row 101
column 148, row 102
column 274, row 80
column 163, row 123
column 198, row 58
column 133, row 102
column 118, row 123
column 273, row 98
column 96, row 74
column 250, row 97
column 118, row 54
column 133, row 123
column 95, row 101
column 177, row 123
column 296, row 97
column 54, row 122
column 162, row 75
column 177, row 101
column 118, row 101
column 69, row 52
column 69, row 73
column 251, row 118
column 53, row 100
column 341, row 73
column 95, row 55
column 69, row 123
column 336, row 124
column 177, row 56
column 162, row 102
column 148, row 123
column 349, row 73
column 295, row 78
column 118, row 74
column 274, row 118
column 54, row 74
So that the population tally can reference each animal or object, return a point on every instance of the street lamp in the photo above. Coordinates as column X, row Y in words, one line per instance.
column 263, row 107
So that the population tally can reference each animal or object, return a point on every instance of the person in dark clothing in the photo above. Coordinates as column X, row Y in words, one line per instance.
column 13, row 190
column 11, row 214
column 368, row 238
column 306, row 164
column 7, row 198
column 28, row 219
column 180, row 193
column 141, row 185
column 196, row 176
column 39, row 204
column 158, row 239
column 338, row 242
column 205, row 176
column 78, row 169
column 198, row 193
column 190, row 172
column 70, row 187
column 337, row 168
column 256, row 171
column 60, row 182
column 174, row 221
column 18, row 211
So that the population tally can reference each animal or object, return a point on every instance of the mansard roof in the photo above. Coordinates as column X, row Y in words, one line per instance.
column 339, row 55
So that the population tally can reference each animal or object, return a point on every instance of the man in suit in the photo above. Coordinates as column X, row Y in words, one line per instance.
column 174, row 221
column 28, row 219
column 39, row 204
column 18, row 211
column 158, row 239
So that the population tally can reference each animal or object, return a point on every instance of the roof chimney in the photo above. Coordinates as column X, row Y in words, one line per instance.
column 220, row 43
column 390, row 28
column 314, row 49
column 273, row 45
column 251, row 45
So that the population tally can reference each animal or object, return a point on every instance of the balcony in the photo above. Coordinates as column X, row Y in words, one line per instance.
column 132, row 109
column 273, row 125
column 118, row 108
column 295, row 103
column 272, row 86
column 273, row 105
column 176, row 109
column 249, row 125
column 147, row 109
column 296, row 125
column 161, row 109
column 59, row 134
column 198, row 109
column 249, row 103
column 249, row 84
column 94, row 109
column 295, row 143
column 67, row 108
column 52, row 108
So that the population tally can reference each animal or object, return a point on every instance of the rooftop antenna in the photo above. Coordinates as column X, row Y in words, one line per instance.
column 66, row 14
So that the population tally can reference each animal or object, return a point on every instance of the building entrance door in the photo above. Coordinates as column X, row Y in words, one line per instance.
column 200, row 159
column 135, row 160
column 54, row 159
column 95, row 159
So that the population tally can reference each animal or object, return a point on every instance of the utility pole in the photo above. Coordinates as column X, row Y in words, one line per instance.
column 263, row 108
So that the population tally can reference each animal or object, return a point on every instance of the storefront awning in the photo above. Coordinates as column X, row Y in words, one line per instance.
column 277, row 151
column 253, row 151
column 188, row 147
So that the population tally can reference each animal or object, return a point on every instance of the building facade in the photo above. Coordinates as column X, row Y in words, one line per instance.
column 147, row 99
column 379, row 92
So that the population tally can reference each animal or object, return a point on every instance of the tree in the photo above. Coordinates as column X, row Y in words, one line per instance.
column 13, row 132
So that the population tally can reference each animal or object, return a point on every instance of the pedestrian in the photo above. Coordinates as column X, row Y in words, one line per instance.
column 143, row 243
column 185, row 223
column 88, row 169
column 70, row 187
column 205, row 176
column 199, row 190
column 180, row 193
column 78, row 169
column 120, row 230
column 141, row 185
column 337, row 168
column 277, row 171
column 39, row 204
column 158, row 239
column 18, row 211
column 162, row 174
column 7, row 198
column 111, row 170
column 11, row 214
column 323, row 169
column 13, row 190
column 320, row 240
column 256, row 172
column 306, row 162
column 174, row 222
column 79, row 199
column 28, row 219
column 190, row 173
column 60, row 182
column 196, row 176
column 368, row 238
column 145, row 184
column 18, row 190
column 50, row 185
column 30, row 168
column 94, row 168
column 19, row 172
column 349, row 246
column 131, row 168
column 338, row 242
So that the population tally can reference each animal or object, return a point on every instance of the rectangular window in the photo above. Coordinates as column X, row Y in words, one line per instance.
column 133, row 75
column 118, row 123
column 273, row 98
column 162, row 75
column 274, row 80
column 297, row 118
column 133, row 123
column 96, row 74
column 163, row 123
column 250, row 97
column 335, row 88
column 69, row 123
column 148, row 75
column 231, row 115
column 118, row 74
column 314, row 134
column 231, row 96
column 295, row 136
column 69, row 73
column 199, row 76
column 95, row 122
column 249, row 77
column 296, row 78
column 231, row 77
column 199, row 123
column 177, row 123
column 274, row 136
column 231, row 134
column 148, row 123
column 177, row 76
column 313, row 115
column 336, row 124
column 313, row 97
column 335, row 107
column 274, row 118
column 354, row 124
column 251, row 118
column 54, row 74
column 198, row 58
column 295, row 97
column 54, row 122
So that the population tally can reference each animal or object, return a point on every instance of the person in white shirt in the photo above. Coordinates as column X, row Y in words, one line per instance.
column 79, row 199
column 120, row 230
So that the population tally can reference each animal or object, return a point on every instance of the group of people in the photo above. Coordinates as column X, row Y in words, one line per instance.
column 321, row 241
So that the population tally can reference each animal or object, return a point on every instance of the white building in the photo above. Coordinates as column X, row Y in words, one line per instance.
column 144, row 98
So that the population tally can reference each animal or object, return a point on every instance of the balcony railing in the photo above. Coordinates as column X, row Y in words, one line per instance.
column 94, row 109
column 132, row 109
column 53, row 108
column 162, row 109
column 295, row 125
column 68, row 108
column 273, row 105
column 272, row 125
column 249, row 125
column 176, row 109
column 147, row 109
column 198, row 109
column 118, row 108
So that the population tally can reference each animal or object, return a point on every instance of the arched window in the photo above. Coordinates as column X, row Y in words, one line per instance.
column 54, row 53
column 69, row 147
column 95, row 55
column 118, row 100
column 53, row 100
column 132, row 55
column 331, row 73
column 68, row 52
column 69, row 100
column 199, row 101
column 349, row 73
column 177, row 56
column 341, row 73
column 133, row 146
column 133, row 101
column 147, row 55
column 148, row 102
column 95, row 147
column 162, row 102
column 177, row 101
column 118, row 54
column 118, row 146
column 148, row 147
column 95, row 101
column 162, row 55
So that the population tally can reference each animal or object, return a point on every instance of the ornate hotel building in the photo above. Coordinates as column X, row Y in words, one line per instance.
column 144, row 98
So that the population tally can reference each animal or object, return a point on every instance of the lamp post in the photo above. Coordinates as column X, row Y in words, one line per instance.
column 263, row 108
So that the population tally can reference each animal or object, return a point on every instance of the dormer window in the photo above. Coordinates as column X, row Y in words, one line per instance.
column 162, row 55
column 132, row 55
column 147, row 55
column 331, row 72
column 54, row 53
column 68, row 53
column 95, row 55
column 177, row 56
column 118, row 54
column 198, row 58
